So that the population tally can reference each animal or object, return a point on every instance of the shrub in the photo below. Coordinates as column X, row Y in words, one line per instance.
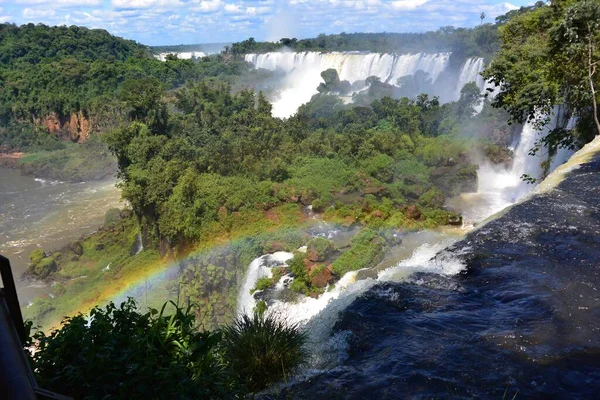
column 366, row 251
column 320, row 248
column 261, row 284
column 36, row 256
column 45, row 267
column 120, row 353
column 263, row 349
column 112, row 216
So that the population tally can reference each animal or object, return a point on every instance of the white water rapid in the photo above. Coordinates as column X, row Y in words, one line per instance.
column 303, row 72
column 259, row 268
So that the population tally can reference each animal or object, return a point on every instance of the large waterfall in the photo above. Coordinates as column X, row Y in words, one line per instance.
column 303, row 72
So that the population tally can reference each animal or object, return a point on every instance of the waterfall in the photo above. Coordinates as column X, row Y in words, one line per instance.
column 186, row 55
column 303, row 71
column 499, row 187
column 138, row 246
column 354, row 67
column 258, row 268
column 470, row 72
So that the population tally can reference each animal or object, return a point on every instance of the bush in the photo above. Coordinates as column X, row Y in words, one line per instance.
column 366, row 251
column 36, row 256
column 261, row 284
column 119, row 352
column 263, row 349
column 112, row 216
column 319, row 249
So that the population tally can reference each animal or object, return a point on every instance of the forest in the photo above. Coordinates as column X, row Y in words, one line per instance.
column 462, row 42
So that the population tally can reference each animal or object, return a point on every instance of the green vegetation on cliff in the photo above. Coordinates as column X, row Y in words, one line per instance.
column 549, row 57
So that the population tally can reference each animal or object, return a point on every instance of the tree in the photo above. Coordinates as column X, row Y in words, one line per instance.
column 470, row 97
column 548, row 58
column 482, row 17
column 578, row 36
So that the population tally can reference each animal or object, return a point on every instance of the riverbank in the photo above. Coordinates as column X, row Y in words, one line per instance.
column 11, row 159
column 49, row 214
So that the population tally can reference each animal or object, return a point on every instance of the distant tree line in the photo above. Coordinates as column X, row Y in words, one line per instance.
column 481, row 41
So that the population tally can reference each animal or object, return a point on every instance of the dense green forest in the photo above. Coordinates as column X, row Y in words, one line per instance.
column 180, row 48
column 60, row 71
column 481, row 41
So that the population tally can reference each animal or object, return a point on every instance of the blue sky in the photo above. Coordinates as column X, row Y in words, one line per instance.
column 157, row 22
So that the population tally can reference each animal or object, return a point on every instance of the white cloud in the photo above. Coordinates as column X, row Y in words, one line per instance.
column 207, row 6
column 130, row 4
column 233, row 9
column 62, row 3
column 407, row 5
column 36, row 13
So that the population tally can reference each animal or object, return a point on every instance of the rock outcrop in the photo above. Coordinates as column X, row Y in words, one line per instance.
column 76, row 127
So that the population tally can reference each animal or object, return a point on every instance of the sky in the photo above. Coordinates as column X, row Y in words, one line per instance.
column 161, row 22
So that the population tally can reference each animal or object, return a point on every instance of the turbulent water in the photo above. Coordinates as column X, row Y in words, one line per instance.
column 303, row 72
column 47, row 214
column 511, row 311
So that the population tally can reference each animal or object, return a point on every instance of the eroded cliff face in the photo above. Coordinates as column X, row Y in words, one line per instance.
column 76, row 127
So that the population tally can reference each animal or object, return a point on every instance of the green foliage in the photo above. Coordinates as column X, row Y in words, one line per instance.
column 112, row 216
column 36, row 256
column 22, row 136
column 119, row 352
column 42, row 265
column 320, row 248
column 546, row 56
column 482, row 40
column 366, row 251
column 261, row 284
column 263, row 349
column 301, row 282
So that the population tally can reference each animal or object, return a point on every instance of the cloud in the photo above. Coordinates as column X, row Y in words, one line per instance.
column 194, row 21
column 132, row 4
column 62, row 3
column 36, row 13
column 207, row 6
column 404, row 5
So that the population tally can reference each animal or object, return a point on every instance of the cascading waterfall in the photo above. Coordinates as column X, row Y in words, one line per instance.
column 303, row 71
column 499, row 187
column 258, row 268
column 470, row 72
column 355, row 67
column 138, row 246
column 186, row 55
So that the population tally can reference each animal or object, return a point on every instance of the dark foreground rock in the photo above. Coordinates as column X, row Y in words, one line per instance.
column 522, row 321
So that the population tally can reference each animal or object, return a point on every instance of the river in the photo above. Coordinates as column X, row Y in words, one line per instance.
column 47, row 214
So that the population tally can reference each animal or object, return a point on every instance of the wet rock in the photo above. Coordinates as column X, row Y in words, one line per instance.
column 322, row 277
column 456, row 220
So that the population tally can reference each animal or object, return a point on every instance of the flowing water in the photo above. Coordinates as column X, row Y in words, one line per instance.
column 47, row 214
column 303, row 72
column 420, row 261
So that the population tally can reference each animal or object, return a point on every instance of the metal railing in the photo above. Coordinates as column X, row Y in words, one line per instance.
column 16, row 377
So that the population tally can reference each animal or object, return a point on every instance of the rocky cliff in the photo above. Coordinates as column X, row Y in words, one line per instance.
column 75, row 127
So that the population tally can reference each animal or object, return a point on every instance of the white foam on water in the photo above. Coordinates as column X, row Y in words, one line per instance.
column 258, row 268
